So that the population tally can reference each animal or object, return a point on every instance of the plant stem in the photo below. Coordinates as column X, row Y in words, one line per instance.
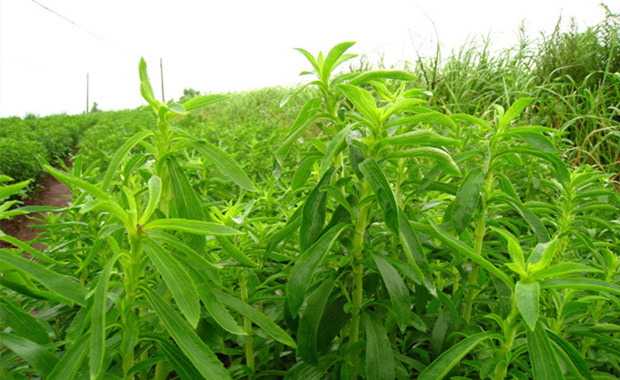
column 511, row 328
column 247, row 325
column 358, row 268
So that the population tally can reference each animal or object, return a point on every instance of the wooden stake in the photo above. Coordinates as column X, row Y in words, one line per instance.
column 161, row 70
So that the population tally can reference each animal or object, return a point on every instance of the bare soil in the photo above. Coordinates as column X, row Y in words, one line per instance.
column 51, row 192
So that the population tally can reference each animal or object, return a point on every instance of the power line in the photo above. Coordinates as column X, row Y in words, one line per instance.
column 68, row 20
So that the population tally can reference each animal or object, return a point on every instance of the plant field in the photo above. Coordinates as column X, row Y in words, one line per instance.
column 357, row 227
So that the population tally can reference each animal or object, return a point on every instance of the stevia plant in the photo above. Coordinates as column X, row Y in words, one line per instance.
column 148, row 260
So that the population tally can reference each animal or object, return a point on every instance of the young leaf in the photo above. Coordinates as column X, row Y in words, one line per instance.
column 306, row 264
column 545, row 365
column 467, row 199
column 180, row 284
column 513, row 112
column 334, row 58
column 313, row 214
column 514, row 249
column 196, row 350
column 526, row 294
column 374, row 175
column 197, row 227
column 399, row 294
column 364, row 102
column 154, row 196
column 335, row 145
column 309, row 323
column 441, row 366
column 306, row 116
column 119, row 155
column 203, row 100
column 443, row 159
column 379, row 355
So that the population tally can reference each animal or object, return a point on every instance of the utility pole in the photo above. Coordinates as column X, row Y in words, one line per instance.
column 161, row 70
column 86, row 92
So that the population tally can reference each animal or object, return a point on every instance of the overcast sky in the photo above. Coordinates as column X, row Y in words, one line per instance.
column 229, row 45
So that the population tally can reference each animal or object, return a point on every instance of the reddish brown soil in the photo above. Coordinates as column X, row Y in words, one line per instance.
column 51, row 192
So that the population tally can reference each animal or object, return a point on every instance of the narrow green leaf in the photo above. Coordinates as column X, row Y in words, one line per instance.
column 399, row 294
column 306, row 116
column 69, row 180
column 564, row 269
column 305, row 266
column 527, row 294
column 145, row 85
column 472, row 255
column 444, row 160
column 120, row 155
column 545, row 365
column 372, row 75
column 441, row 366
column 514, row 248
column 582, row 284
column 257, row 317
column 422, row 118
column 197, row 227
column 513, row 112
column 8, row 190
column 98, row 324
column 379, row 355
column 414, row 253
column 575, row 357
column 335, row 146
column 335, row 58
column 63, row 286
column 196, row 350
column 234, row 252
column 467, row 199
column 154, row 196
column 22, row 323
column 71, row 361
column 374, row 175
column 180, row 363
column 224, row 163
column 179, row 282
column 313, row 214
column 203, row 100
column 33, row 353
column 307, row 332
column 364, row 102
column 422, row 137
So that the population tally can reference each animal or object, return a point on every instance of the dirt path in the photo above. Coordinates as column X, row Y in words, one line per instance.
column 52, row 193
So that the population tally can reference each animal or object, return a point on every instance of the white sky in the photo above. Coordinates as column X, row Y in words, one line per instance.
column 229, row 45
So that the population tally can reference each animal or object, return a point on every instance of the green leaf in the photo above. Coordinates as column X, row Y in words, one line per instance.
column 423, row 118
column 313, row 213
column 514, row 248
column 71, row 361
column 197, row 227
column 364, row 102
column 335, row 146
column 185, row 202
column 231, row 250
column 119, row 156
column 179, row 282
column 526, row 294
column 203, row 100
column 305, row 117
column 22, row 323
column 564, row 269
column 441, row 366
column 575, row 357
column 374, row 175
column 307, row 332
column 257, row 317
column 154, row 196
column 582, row 284
column 423, row 137
column 69, row 180
column 63, row 286
column 305, row 266
column 399, row 294
column 379, row 355
column 414, row 253
column 8, row 190
column 467, row 199
column 368, row 76
column 545, row 365
column 335, row 58
column 444, row 160
column 469, row 252
column 224, row 163
column 513, row 112
column 541, row 256
column 33, row 353
column 98, row 325
column 145, row 86
column 196, row 350
column 181, row 364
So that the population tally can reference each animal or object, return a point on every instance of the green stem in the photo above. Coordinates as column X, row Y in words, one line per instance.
column 247, row 324
column 358, row 268
column 132, row 279
column 511, row 328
